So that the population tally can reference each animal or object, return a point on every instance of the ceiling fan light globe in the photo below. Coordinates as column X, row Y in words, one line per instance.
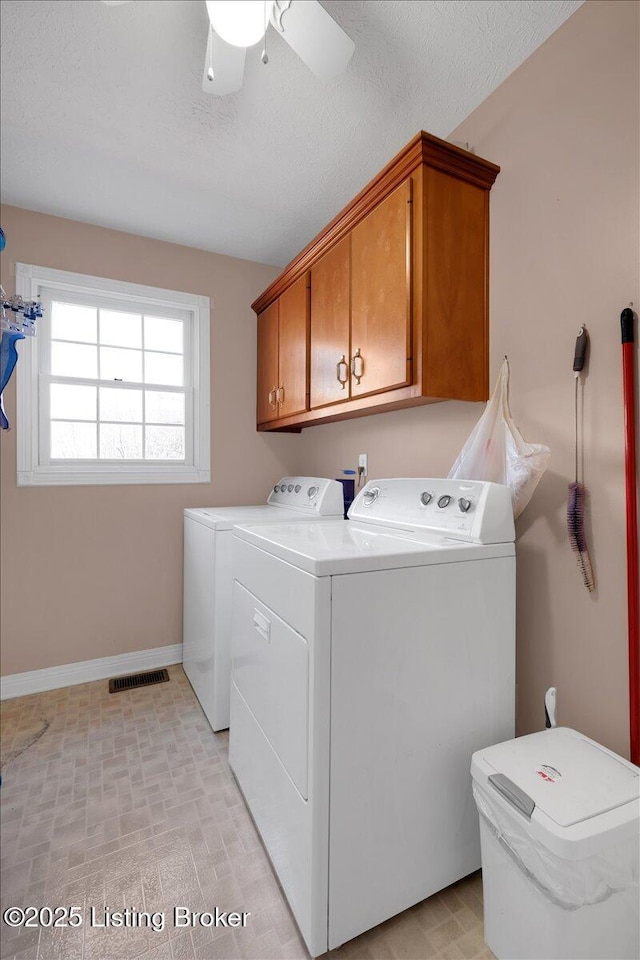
column 241, row 23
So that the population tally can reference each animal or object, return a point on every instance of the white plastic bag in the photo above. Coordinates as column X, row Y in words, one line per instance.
column 569, row 884
column 496, row 450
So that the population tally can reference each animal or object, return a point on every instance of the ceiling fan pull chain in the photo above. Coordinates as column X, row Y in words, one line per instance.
column 265, row 57
column 210, row 73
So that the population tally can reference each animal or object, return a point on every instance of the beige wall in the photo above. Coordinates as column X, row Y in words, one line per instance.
column 95, row 571
column 564, row 250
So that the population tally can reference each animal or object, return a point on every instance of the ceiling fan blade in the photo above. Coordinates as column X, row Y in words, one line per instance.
column 228, row 66
column 314, row 35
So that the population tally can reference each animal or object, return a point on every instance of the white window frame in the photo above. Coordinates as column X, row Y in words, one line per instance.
column 33, row 470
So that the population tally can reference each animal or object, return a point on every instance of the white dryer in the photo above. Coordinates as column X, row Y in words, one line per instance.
column 208, row 579
column 371, row 658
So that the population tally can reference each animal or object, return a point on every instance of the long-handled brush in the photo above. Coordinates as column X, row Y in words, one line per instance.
column 627, row 321
column 577, row 491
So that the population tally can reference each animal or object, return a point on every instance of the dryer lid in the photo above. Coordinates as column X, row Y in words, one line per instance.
column 338, row 547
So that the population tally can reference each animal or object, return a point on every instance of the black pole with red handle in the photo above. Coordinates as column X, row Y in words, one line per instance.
column 631, row 486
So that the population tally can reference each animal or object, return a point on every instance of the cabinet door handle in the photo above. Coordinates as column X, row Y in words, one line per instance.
column 273, row 397
column 280, row 394
column 342, row 371
column 357, row 365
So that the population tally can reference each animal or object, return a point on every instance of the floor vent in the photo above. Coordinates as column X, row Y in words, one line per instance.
column 138, row 680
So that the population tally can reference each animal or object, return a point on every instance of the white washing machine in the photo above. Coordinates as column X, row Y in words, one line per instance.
column 370, row 659
column 208, row 580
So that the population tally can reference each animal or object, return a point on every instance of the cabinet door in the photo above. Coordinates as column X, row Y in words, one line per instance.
column 381, row 296
column 330, row 316
column 267, row 407
column 293, row 348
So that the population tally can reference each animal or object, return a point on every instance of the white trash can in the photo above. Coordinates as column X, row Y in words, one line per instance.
column 559, row 829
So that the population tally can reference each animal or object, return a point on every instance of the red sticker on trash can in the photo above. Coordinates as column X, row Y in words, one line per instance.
column 549, row 773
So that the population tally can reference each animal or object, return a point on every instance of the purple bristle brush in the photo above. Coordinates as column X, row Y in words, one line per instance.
column 577, row 491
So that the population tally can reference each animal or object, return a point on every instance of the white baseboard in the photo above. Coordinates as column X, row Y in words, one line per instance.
column 68, row 674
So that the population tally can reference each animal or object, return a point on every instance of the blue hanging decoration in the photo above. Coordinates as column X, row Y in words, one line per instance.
column 8, row 360
column 17, row 321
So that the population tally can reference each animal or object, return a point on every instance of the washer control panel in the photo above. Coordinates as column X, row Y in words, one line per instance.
column 471, row 510
column 316, row 495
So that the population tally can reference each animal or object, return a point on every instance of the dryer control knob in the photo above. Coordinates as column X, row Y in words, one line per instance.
column 290, row 488
column 276, row 489
column 370, row 496
column 464, row 504
column 426, row 497
column 312, row 492
column 297, row 488
column 444, row 501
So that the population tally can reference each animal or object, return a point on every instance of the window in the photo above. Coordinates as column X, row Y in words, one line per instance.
column 114, row 387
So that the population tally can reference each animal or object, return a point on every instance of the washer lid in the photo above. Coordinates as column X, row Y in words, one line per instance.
column 568, row 777
column 226, row 518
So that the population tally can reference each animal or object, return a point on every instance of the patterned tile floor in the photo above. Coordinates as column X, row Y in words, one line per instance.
column 126, row 800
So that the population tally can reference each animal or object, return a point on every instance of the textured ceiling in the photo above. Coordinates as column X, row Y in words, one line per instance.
column 104, row 119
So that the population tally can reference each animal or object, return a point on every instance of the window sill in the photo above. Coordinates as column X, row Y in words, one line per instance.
column 55, row 476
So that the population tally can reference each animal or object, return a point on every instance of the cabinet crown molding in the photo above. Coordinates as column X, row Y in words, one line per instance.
column 424, row 148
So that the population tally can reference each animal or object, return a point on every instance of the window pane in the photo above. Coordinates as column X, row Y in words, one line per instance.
column 120, row 441
column 120, row 404
column 73, row 403
column 163, row 368
column 120, row 329
column 164, row 407
column 120, row 364
column 73, row 360
column 70, row 321
column 164, row 443
column 73, row 441
column 163, row 334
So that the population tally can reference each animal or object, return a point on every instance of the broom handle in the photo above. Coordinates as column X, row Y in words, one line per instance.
column 629, row 392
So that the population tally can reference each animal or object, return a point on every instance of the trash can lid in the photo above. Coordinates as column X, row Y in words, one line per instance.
column 569, row 777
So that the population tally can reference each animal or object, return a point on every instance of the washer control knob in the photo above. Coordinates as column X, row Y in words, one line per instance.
column 312, row 492
column 464, row 504
column 426, row 498
column 297, row 488
column 370, row 496
column 444, row 501
column 276, row 489
column 290, row 488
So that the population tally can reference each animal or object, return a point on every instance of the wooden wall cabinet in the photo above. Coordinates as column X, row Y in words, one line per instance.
column 381, row 296
column 330, row 346
column 388, row 306
column 283, row 355
column 267, row 406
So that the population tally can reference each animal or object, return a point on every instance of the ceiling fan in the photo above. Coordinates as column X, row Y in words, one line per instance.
column 235, row 25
